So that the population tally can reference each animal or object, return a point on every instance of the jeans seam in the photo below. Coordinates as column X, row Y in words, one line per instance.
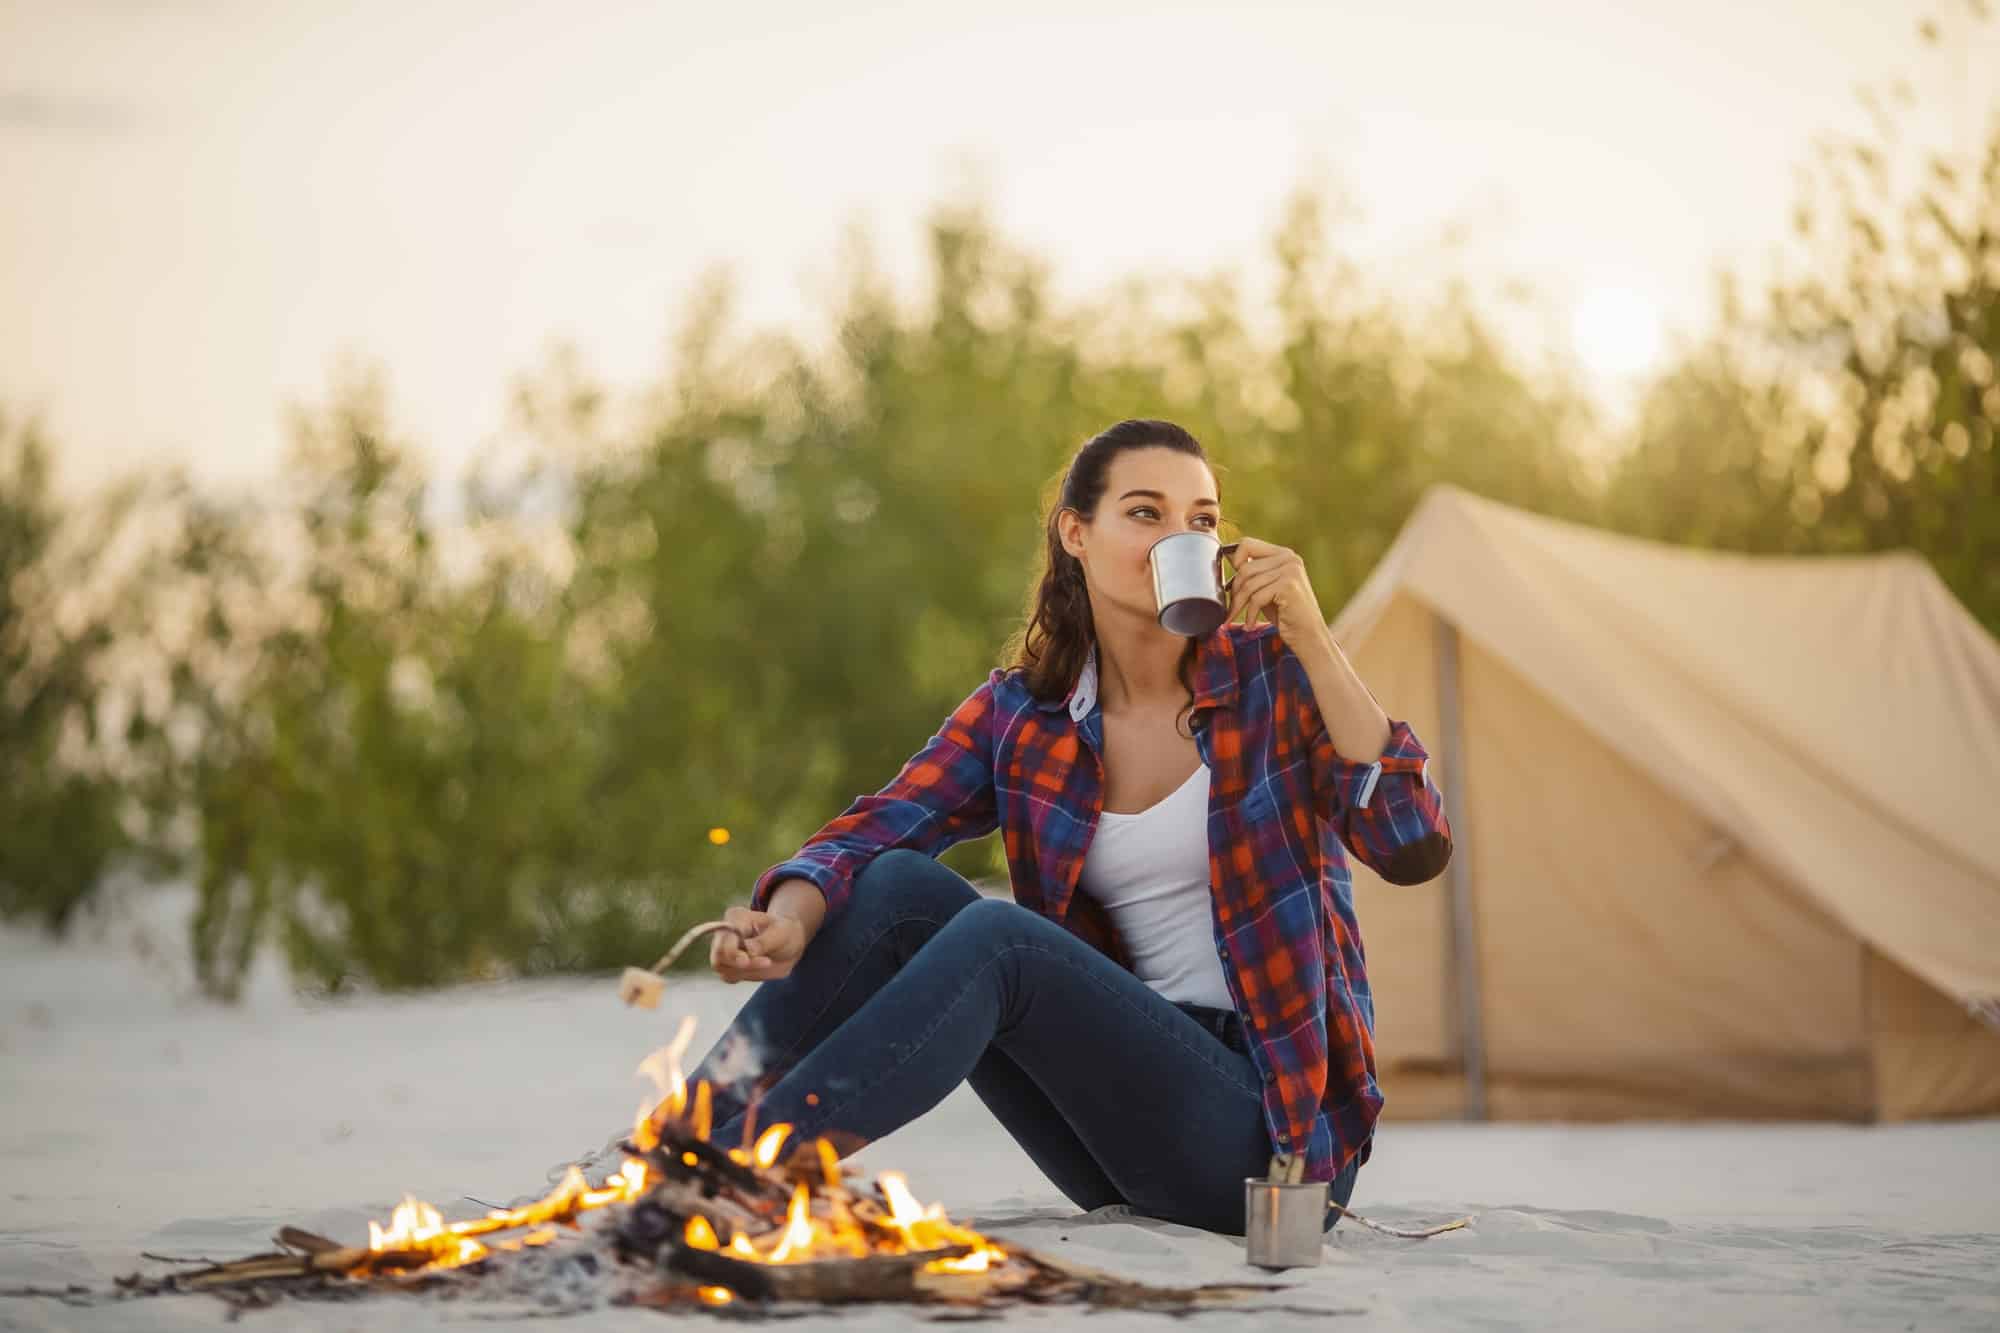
column 828, row 1111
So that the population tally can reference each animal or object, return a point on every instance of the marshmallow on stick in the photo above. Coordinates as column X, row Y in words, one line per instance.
column 643, row 986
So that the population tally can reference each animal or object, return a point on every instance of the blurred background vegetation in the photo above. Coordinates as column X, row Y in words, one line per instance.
column 414, row 730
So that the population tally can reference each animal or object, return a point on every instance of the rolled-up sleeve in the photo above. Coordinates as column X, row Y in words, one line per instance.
column 1389, row 812
column 944, row 795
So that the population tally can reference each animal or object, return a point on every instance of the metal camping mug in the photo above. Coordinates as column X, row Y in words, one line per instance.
column 1284, row 1225
column 1188, row 586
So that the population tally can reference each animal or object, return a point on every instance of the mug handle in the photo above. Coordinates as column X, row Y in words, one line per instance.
column 1221, row 551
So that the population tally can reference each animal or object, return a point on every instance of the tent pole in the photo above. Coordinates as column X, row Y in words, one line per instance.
column 1462, row 948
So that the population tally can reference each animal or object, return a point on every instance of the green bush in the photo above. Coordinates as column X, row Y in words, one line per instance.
column 59, row 826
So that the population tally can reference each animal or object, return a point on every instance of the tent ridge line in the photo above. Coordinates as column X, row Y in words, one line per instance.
column 1727, row 702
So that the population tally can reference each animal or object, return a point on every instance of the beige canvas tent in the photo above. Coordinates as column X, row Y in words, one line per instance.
column 1728, row 828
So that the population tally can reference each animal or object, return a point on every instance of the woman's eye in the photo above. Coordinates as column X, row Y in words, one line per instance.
column 1149, row 512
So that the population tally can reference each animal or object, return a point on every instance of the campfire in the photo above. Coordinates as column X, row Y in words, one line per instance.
column 686, row 1222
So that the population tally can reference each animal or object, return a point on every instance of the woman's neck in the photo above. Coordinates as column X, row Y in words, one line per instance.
column 1138, row 666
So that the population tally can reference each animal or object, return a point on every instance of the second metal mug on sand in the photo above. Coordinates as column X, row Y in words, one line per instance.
column 1284, row 1216
column 1188, row 586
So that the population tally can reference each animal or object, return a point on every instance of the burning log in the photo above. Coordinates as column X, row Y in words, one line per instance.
column 882, row 1277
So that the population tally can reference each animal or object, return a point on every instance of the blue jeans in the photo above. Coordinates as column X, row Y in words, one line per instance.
column 1119, row 1095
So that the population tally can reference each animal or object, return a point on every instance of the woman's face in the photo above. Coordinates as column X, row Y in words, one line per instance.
column 1150, row 494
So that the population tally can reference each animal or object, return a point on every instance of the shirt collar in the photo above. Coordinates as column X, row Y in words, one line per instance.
column 1214, row 677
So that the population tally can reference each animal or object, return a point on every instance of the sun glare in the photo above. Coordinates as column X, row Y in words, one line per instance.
column 1616, row 331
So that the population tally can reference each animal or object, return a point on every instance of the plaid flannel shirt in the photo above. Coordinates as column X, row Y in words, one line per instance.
column 1285, row 810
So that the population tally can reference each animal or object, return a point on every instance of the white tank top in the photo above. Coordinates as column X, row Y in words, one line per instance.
column 1150, row 871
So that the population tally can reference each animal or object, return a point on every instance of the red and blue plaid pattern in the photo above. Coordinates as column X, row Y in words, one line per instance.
column 1285, row 811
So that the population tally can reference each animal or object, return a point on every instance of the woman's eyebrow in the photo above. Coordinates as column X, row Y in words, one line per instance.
column 1161, row 495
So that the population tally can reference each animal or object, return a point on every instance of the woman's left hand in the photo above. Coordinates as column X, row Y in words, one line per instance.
column 1271, row 582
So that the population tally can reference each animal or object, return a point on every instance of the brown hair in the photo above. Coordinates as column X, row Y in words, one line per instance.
column 1056, row 631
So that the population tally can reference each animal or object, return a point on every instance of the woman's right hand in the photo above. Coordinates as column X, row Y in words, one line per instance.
column 759, row 946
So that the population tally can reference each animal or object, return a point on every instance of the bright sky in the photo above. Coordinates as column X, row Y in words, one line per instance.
column 203, row 203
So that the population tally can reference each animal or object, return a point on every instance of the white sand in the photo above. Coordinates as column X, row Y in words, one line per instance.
column 138, row 1117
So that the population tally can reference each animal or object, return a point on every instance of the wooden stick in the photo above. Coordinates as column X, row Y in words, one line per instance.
column 262, row 1267
column 1425, row 1234
column 295, row 1238
column 1290, row 1169
column 694, row 933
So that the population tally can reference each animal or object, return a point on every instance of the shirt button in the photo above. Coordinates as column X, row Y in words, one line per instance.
column 1284, row 1138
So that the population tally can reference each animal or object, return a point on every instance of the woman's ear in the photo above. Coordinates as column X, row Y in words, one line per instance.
column 1067, row 524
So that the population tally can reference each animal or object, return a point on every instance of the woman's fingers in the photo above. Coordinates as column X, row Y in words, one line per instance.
column 743, row 952
column 746, row 924
column 722, row 950
column 726, row 952
column 736, row 965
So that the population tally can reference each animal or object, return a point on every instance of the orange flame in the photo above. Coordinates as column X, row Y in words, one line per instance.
column 768, row 1143
column 830, row 1231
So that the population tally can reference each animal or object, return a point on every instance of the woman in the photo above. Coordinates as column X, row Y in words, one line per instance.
column 1176, row 992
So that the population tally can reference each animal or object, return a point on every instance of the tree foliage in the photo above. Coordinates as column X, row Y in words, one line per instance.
column 1851, row 406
